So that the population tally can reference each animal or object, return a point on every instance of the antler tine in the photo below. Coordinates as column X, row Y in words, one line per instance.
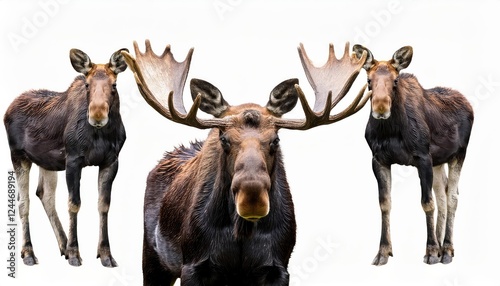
column 336, row 75
column 159, row 75
column 312, row 118
column 358, row 103
column 330, row 83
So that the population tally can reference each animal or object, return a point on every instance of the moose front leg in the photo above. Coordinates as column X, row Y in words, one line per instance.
column 425, row 173
column 383, row 176
column 73, row 175
column 106, row 177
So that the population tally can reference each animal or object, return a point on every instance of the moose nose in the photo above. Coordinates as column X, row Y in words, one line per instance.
column 252, row 200
column 381, row 114
column 98, row 114
column 381, row 107
column 98, row 123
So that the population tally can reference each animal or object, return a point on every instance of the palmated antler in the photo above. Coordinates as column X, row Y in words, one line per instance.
column 330, row 83
column 157, row 75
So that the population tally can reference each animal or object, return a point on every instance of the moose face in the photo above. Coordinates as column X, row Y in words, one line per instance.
column 249, row 142
column 100, row 82
column 250, row 146
column 383, row 78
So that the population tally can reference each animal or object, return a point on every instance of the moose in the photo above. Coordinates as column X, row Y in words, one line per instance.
column 424, row 128
column 68, row 131
column 220, row 211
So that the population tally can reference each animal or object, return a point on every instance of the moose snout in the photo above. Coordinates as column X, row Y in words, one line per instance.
column 98, row 114
column 381, row 107
column 252, row 199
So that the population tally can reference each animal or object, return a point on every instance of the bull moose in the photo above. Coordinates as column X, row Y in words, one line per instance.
column 220, row 211
column 68, row 131
column 425, row 128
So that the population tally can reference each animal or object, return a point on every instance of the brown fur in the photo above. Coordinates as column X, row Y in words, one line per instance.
column 425, row 128
column 68, row 131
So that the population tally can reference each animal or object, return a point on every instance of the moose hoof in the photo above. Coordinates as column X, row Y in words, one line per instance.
column 447, row 258
column 431, row 259
column 30, row 260
column 75, row 261
column 73, row 257
column 28, row 256
column 432, row 255
column 107, row 259
column 108, row 262
column 380, row 259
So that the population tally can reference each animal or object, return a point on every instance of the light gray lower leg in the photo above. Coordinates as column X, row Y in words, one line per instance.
column 439, row 186
column 23, row 181
column 455, row 168
column 47, row 184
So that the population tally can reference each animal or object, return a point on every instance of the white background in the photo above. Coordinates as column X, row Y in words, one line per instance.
column 245, row 48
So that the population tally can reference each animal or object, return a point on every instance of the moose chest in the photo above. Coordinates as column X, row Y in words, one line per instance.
column 233, row 261
column 96, row 147
column 389, row 149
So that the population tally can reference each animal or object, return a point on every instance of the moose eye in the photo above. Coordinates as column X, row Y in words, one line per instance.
column 396, row 82
column 114, row 86
column 87, row 85
column 274, row 144
column 369, row 81
column 225, row 143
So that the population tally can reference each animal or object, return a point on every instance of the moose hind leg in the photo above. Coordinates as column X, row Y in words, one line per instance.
column 22, row 169
column 47, row 184
column 439, row 182
column 455, row 168
column 383, row 176
column 106, row 177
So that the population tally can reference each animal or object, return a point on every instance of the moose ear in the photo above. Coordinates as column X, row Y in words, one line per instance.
column 402, row 58
column 212, row 101
column 80, row 61
column 117, row 62
column 283, row 98
column 358, row 51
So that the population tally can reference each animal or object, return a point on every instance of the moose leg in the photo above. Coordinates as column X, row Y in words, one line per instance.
column 106, row 177
column 439, row 185
column 47, row 183
column 22, row 169
column 153, row 271
column 73, row 175
column 452, row 195
column 383, row 176
column 425, row 173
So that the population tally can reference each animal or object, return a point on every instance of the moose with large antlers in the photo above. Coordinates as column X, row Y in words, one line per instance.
column 425, row 128
column 68, row 131
column 220, row 212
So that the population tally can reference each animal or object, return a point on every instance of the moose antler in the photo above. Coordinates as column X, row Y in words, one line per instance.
column 155, row 75
column 333, row 78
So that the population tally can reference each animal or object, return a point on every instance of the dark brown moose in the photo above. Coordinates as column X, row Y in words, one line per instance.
column 220, row 212
column 425, row 128
column 68, row 131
